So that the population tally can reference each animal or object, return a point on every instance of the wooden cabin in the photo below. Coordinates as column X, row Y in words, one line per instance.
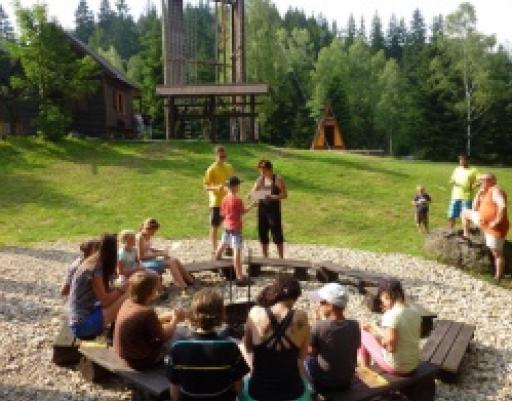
column 328, row 135
column 109, row 110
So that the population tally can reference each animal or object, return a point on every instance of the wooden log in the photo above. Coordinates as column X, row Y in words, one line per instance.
column 65, row 347
column 92, row 372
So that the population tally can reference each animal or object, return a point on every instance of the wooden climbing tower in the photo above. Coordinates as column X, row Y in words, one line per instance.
column 328, row 135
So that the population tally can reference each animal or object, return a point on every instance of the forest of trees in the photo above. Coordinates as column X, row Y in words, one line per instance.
column 431, row 89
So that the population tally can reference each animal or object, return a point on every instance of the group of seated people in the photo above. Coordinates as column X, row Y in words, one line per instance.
column 281, row 358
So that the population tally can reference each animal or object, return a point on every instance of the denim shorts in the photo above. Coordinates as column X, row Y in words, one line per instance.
column 457, row 206
column 91, row 326
column 233, row 239
column 157, row 265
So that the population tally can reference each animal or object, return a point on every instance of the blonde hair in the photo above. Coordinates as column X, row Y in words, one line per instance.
column 124, row 235
column 420, row 188
column 142, row 285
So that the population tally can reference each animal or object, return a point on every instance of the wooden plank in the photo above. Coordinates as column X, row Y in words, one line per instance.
column 453, row 360
column 435, row 339
column 446, row 344
column 208, row 265
column 277, row 262
column 213, row 89
column 154, row 381
column 359, row 391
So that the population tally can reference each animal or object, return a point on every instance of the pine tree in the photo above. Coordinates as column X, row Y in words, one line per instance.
column 393, row 46
column 361, row 31
column 6, row 29
column 106, row 14
column 376, row 35
column 122, row 9
column 84, row 21
column 417, row 33
column 351, row 31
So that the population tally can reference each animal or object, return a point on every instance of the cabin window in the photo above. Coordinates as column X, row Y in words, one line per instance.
column 119, row 102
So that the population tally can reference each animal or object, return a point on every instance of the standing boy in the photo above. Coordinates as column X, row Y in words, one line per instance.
column 422, row 201
column 232, row 209
column 464, row 180
column 214, row 181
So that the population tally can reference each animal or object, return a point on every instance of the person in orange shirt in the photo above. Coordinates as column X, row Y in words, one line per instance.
column 232, row 209
column 489, row 213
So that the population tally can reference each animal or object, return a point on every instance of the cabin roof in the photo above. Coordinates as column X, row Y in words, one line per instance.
column 108, row 68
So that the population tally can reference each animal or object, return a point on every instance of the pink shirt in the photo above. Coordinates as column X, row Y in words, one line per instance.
column 232, row 209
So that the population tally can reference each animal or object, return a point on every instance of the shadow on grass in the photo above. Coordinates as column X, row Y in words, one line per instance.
column 21, row 189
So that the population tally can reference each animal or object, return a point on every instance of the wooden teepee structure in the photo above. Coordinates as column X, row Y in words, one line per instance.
column 328, row 132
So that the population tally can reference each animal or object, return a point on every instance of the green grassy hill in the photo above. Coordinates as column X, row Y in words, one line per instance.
column 79, row 188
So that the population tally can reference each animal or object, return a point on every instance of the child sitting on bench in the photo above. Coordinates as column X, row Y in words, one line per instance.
column 87, row 248
column 140, row 334
column 207, row 366
column 157, row 259
column 395, row 347
column 127, row 260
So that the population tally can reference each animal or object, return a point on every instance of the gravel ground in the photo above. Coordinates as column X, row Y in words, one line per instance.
column 31, row 309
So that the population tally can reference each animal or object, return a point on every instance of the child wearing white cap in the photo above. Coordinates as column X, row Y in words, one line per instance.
column 335, row 340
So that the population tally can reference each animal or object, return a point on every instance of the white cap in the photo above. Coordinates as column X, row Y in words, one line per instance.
column 332, row 293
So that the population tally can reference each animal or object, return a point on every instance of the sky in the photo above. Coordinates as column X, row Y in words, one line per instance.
column 493, row 15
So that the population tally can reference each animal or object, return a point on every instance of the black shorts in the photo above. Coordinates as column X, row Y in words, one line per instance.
column 422, row 216
column 215, row 217
column 269, row 219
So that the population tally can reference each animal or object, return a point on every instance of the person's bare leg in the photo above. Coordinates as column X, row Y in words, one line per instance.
column 213, row 237
column 237, row 263
column 184, row 272
column 110, row 312
column 220, row 250
column 499, row 263
column 176, row 274
column 280, row 250
column 451, row 223
column 264, row 250
column 466, row 222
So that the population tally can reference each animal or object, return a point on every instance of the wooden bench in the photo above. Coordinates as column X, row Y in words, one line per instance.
column 418, row 387
column 446, row 347
column 300, row 266
column 98, row 363
column 65, row 346
column 328, row 271
column 225, row 266
column 427, row 317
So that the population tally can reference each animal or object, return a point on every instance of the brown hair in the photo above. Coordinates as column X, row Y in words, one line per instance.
column 207, row 310
column 266, row 164
column 286, row 287
column 142, row 285
column 393, row 288
column 89, row 247
column 150, row 223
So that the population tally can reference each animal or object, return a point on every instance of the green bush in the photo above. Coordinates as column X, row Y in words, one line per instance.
column 52, row 123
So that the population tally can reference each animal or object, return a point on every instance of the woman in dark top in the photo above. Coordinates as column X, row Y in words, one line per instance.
column 277, row 338
column 269, row 209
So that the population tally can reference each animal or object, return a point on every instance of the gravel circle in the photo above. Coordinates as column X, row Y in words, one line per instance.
column 31, row 311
